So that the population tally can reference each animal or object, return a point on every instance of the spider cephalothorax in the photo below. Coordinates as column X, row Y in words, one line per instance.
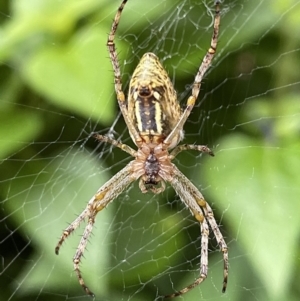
column 155, row 122
column 152, row 167
column 152, row 164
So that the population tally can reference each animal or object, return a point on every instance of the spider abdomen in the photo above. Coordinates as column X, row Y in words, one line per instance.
column 152, row 101
column 149, row 116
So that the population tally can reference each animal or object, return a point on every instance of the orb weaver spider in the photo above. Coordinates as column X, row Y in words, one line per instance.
column 155, row 122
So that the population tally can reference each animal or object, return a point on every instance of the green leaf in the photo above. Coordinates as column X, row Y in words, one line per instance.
column 148, row 240
column 35, row 18
column 44, row 198
column 74, row 76
column 17, row 130
column 258, row 181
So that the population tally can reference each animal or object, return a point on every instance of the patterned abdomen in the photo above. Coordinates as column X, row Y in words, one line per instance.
column 152, row 101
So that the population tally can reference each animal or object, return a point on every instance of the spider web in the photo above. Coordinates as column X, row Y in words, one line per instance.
column 57, row 89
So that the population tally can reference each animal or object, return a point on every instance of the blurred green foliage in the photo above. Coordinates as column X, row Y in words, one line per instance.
column 56, row 88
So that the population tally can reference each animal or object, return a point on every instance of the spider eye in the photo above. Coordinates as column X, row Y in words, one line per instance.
column 151, row 181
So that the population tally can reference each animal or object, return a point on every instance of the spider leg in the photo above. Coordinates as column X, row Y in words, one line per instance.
column 195, row 201
column 117, row 74
column 107, row 193
column 71, row 228
column 219, row 237
column 204, row 255
column 183, row 147
column 79, row 252
column 124, row 147
column 199, row 76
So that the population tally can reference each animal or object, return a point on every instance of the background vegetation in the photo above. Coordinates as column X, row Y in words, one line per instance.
column 56, row 89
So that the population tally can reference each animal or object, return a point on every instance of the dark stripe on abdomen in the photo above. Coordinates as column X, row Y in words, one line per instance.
column 149, row 115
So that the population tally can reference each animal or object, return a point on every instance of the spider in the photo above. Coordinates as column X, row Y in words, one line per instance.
column 155, row 122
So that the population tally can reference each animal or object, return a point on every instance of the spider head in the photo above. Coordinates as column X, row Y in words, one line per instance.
column 151, row 179
column 152, row 165
column 151, row 170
